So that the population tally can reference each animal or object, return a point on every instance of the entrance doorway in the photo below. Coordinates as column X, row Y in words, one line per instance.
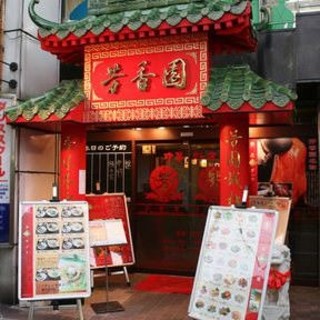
column 177, row 181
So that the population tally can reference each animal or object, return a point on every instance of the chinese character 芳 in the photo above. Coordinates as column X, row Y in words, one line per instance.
column 175, row 75
column 142, row 78
column 113, row 73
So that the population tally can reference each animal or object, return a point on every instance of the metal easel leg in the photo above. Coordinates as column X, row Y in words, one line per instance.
column 31, row 310
column 125, row 271
column 107, row 306
column 80, row 309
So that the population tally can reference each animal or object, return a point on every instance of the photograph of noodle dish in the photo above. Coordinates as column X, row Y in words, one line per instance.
column 48, row 244
column 74, row 274
column 47, row 227
column 72, row 212
column 72, row 227
column 72, row 243
column 47, row 212
column 48, row 274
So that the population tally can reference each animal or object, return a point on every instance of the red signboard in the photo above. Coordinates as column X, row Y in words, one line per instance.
column 111, row 206
column 148, row 79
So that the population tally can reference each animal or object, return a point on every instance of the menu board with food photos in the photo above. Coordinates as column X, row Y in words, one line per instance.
column 234, row 264
column 54, row 250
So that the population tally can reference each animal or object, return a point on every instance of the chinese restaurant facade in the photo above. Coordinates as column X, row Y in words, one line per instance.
column 154, row 118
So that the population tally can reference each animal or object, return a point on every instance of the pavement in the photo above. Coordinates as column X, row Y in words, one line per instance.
column 304, row 304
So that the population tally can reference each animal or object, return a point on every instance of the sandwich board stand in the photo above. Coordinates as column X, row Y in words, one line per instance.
column 54, row 253
column 234, row 263
column 105, row 233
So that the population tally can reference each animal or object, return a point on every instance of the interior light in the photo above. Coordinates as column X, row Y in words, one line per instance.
column 203, row 163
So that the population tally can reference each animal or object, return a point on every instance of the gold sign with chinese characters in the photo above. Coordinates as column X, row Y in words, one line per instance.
column 150, row 79
column 234, row 163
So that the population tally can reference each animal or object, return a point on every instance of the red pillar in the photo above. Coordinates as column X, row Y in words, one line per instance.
column 73, row 162
column 234, row 159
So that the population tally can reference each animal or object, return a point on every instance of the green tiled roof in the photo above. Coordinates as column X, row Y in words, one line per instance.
column 173, row 14
column 235, row 85
column 58, row 101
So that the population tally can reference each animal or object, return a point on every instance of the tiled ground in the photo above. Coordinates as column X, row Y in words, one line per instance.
column 304, row 303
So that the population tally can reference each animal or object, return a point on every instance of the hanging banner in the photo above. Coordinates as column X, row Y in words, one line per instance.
column 54, row 250
column 6, row 101
column 111, row 207
column 233, row 268
column 146, row 79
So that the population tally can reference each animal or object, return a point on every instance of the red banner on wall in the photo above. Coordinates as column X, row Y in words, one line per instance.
column 149, row 79
column 234, row 160
column 73, row 162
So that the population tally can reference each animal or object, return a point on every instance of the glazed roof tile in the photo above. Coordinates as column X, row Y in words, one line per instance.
column 193, row 12
column 236, row 85
column 59, row 102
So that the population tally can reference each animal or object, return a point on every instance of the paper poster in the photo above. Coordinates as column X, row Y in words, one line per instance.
column 107, row 232
column 54, row 250
column 234, row 263
column 280, row 204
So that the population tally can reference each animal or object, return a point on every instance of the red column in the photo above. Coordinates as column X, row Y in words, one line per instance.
column 73, row 162
column 234, row 158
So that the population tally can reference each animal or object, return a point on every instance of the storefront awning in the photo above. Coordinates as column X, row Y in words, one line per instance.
column 239, row 89
column 231, row 89
column 228, row 23
column 62, row 102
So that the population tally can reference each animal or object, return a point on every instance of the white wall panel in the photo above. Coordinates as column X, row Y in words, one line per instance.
column 38, row 70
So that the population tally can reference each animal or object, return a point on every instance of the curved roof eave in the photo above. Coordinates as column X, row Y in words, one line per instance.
column 56, row 103
column 238, row 88
column 216, row 16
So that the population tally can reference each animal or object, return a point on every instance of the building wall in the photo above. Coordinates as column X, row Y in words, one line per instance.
column 38, row 70
column 307, row 42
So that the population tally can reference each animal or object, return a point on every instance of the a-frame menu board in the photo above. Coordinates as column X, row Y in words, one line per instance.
column 234, row 263
column 54, row 250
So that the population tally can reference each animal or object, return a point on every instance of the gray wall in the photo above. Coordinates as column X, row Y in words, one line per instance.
column 285, row 57
column 8, row 274
column 308, row 47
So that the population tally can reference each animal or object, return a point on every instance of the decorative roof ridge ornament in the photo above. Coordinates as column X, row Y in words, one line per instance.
column 46, row 24
column 265, row 19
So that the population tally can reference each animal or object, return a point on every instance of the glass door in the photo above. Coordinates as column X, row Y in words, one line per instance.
column 176, row 184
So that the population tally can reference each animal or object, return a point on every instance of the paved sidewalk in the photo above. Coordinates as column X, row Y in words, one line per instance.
column 304, row 305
